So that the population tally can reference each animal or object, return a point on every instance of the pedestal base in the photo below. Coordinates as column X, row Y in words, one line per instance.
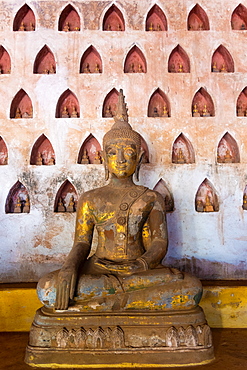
column 117, row 339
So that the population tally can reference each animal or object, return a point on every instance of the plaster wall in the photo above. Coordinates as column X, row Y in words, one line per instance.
column 210, row 245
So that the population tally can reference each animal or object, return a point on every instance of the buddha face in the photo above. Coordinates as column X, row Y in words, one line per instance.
column 121, row 157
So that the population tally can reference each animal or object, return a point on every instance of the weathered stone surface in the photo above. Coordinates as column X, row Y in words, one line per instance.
column 39, row 240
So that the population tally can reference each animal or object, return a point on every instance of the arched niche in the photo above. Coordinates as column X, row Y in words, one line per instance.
column 239, row 18
column 144, row 147
column 69, row 19
column 135, row 61
column 3, row 152
column 113, row 20
column 42, row 152
column 156, row 19
column 206, row 199
column 68, row 105
column 5, row 63
column 182, row 150
column 91, row 61
column 198, row 19
column 241, row 108
column 110, row 104
column 227, row 150
column 178, row 61
column 90, row 151
column 158, row 105
column 21, row 106
column 66, row 198
column 222, row 60
column 202, row 104
column 44, row 62
column 244, row 205
column 24, row 19
column 163, row 189
column 18, row 199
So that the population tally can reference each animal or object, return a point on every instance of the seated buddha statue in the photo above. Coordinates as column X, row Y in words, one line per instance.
column 126, row 270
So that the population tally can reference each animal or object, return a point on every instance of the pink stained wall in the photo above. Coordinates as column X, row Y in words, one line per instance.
column 211, row 245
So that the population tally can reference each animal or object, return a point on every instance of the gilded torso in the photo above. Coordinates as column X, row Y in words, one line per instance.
column 119, row 217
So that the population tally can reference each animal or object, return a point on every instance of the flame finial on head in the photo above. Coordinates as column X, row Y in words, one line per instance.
column 121, row 128
column 121, row 116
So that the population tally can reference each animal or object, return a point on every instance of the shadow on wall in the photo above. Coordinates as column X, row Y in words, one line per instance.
column 208, row 270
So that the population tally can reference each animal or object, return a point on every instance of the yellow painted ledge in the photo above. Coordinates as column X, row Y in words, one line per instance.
column 224, row 306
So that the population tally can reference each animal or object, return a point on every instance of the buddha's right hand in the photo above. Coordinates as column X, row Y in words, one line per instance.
column 65, row 287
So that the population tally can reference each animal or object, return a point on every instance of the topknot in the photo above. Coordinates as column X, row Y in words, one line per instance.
column 121, row 128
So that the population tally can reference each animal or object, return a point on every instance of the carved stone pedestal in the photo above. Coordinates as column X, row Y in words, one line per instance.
column 111, row 339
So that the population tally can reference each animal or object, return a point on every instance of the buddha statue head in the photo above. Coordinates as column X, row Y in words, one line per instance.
column 122, row 152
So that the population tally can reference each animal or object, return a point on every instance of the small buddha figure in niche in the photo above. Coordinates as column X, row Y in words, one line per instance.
column 45, row 72
column 199, row 206
column 165, row 111
column 180, row 156
column 96, row 70
column 240, row 110
column 108, row 111
column 85, row 158
column 108, row 28
column 158, row 27
column 151, row 27
column 66, row 27
column 76, row 28
column 140, row 69
column 31, row 27
column 223, row 68
column 219, row 158
column 86, row 69
column 208, row 207
column 26, row 207
column 39, row 159
column 22, row 27
column 17, row 208
column 18, row 113
column 60, row 205
column 65, row 113
column 51, row 161
column 25, row 115
column 243, row 27
column 124, row 269
column 169, row 203
column 228, row 157
column 132, row 68
column 173, row 69
column 245, row 202
column 74, row 113
column 205, row 112
column 200, row 27
column 119, row 28
column 180, row 68
column 3, row 158
column 71, row 205
column 97, row 158
column 214, row 67
column 52, row 69
column 155, row 112
column 195, row 112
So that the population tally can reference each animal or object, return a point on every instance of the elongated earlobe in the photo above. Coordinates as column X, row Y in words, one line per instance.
column 105, row 165
column 106, row 173
column 139, row 165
